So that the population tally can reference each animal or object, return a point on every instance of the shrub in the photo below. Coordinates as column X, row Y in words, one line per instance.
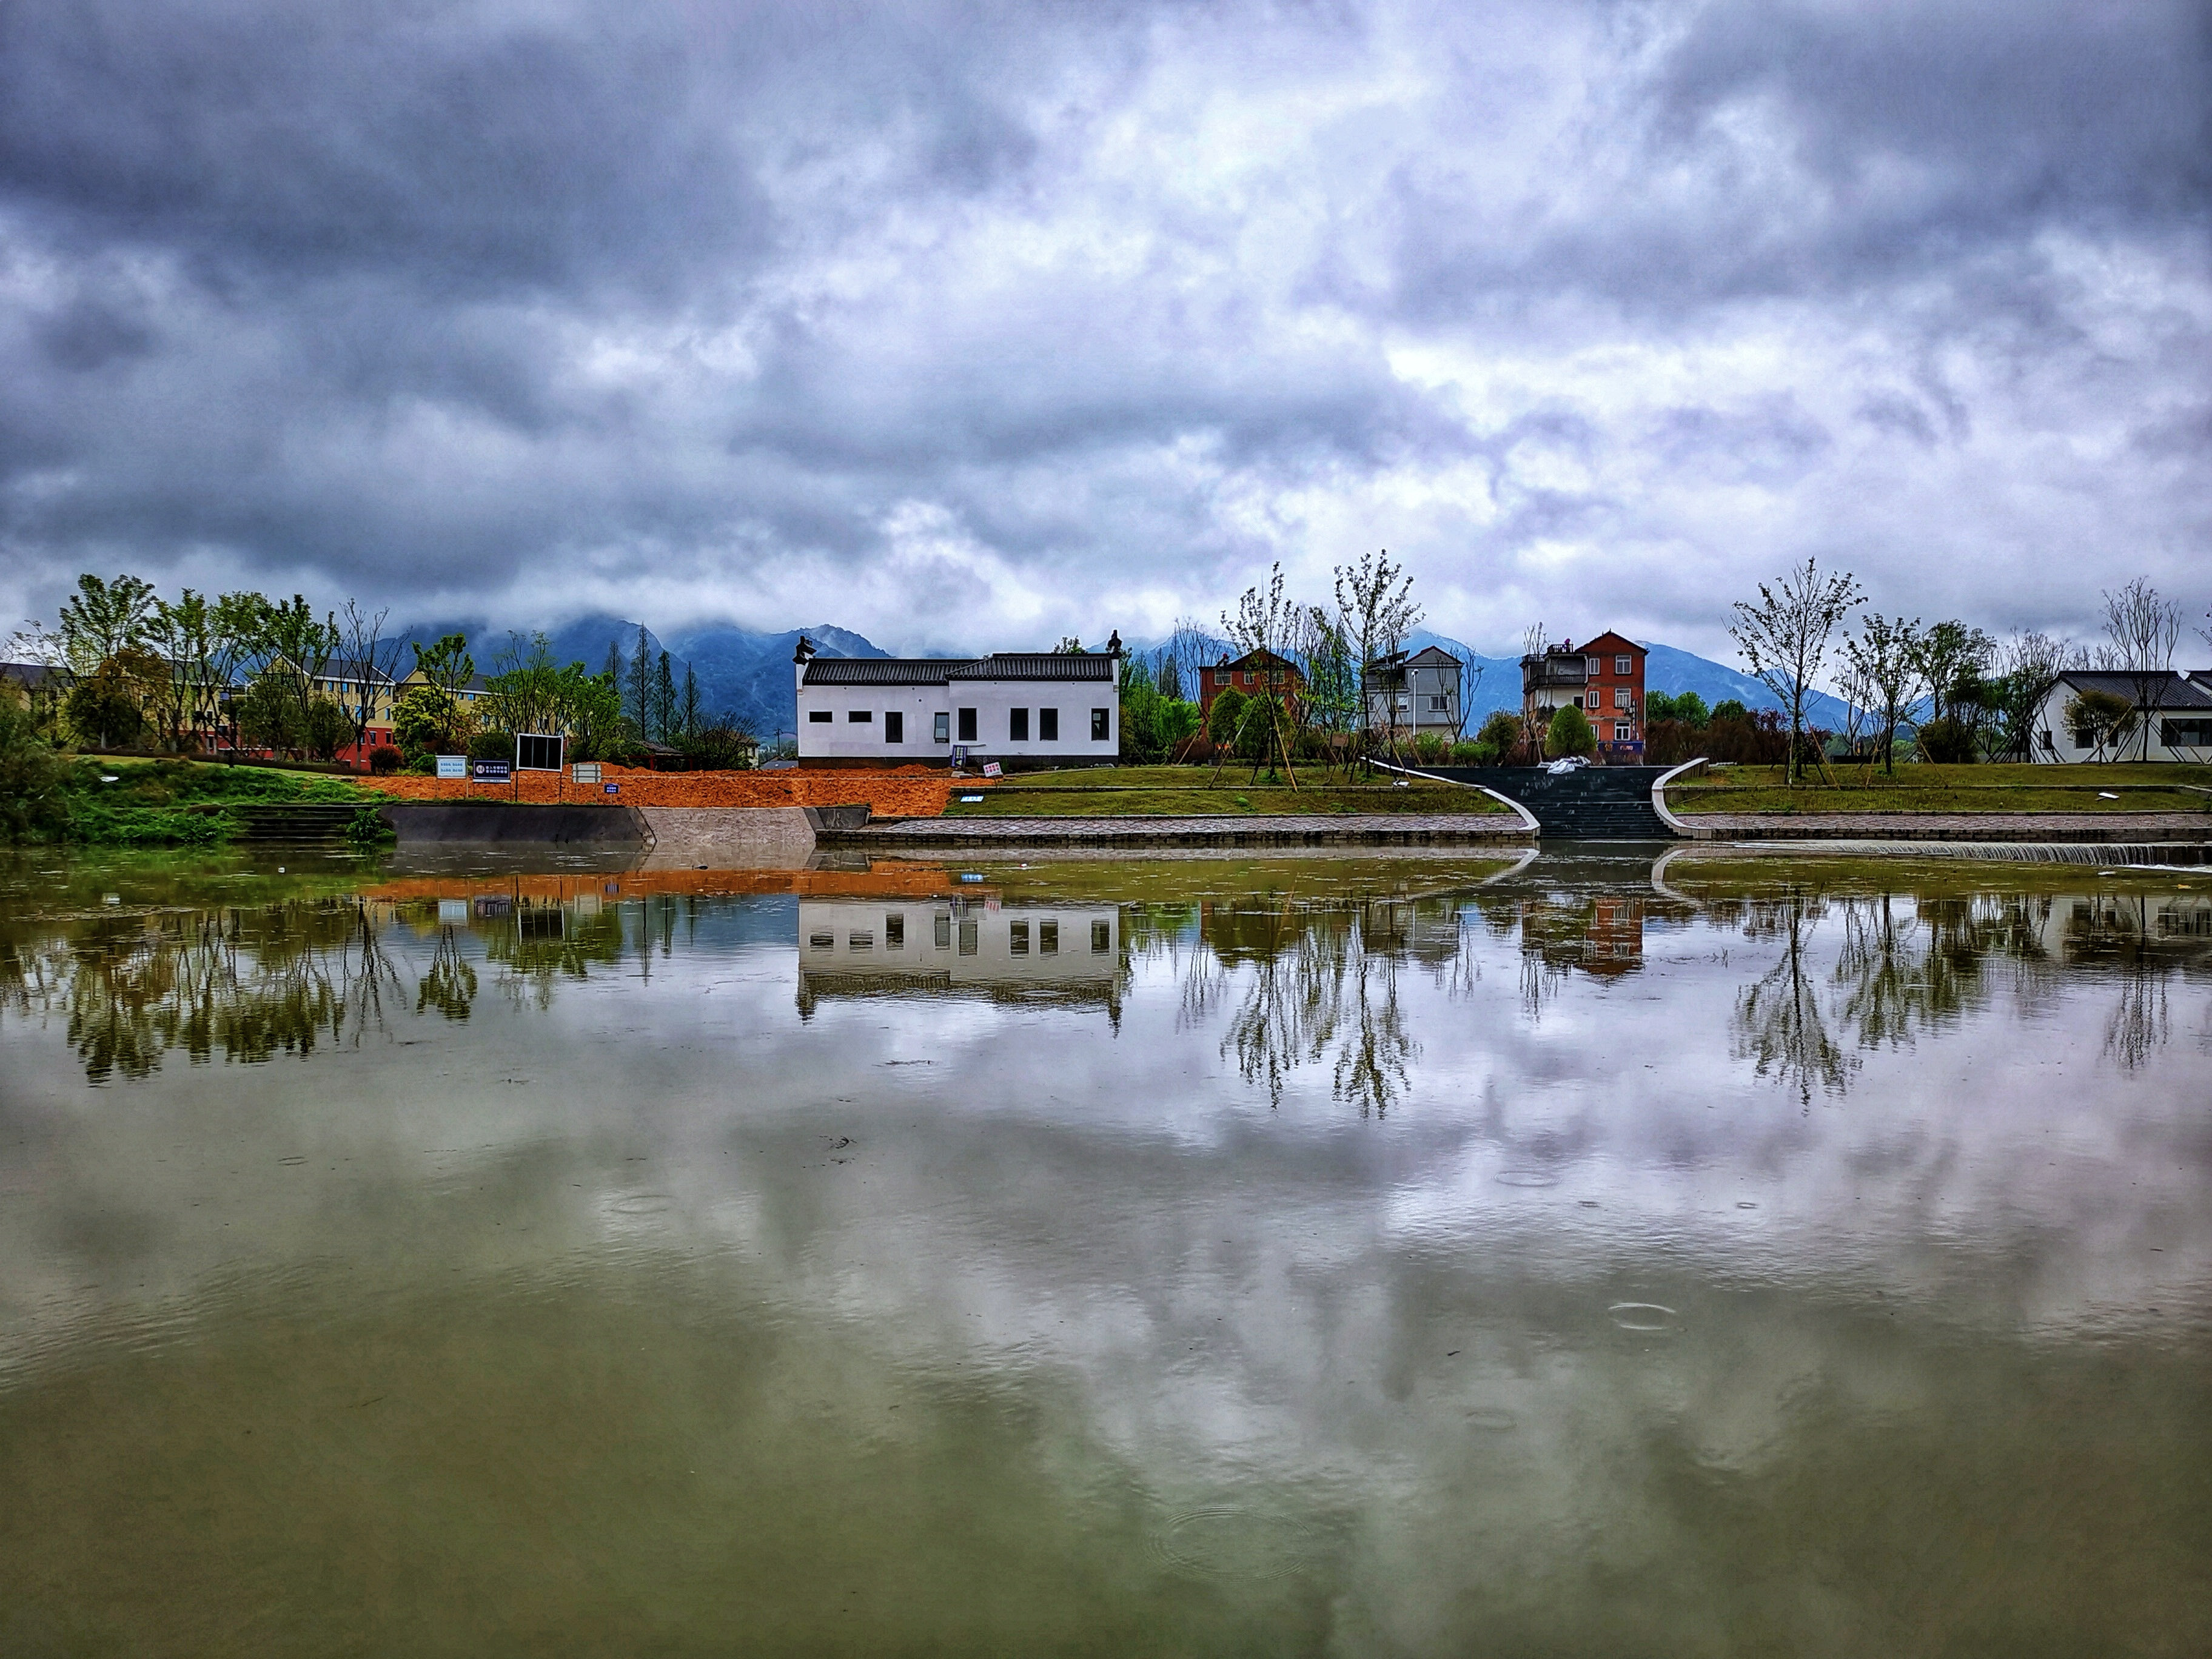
column 106, row 710
column 492, row 746
column 1501, row 730
column 1430, row 749
column 422, row 763
column 1948, row 742
column 384, row 759
column 1468, row 752
column 31, row 804
column 1570, row 734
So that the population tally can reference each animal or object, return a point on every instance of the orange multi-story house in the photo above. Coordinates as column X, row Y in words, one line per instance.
column 1604, row 676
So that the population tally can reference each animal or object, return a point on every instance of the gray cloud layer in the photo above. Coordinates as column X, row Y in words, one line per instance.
column 970, row 325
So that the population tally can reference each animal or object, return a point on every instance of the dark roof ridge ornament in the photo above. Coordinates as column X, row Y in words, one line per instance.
column 806, row 649
column 1113, row 643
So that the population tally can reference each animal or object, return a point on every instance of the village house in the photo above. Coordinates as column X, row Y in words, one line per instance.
column 1417, row 694
column 1603, row 677
column 2075, row 719
column 1017, row 707
column 1253, row 673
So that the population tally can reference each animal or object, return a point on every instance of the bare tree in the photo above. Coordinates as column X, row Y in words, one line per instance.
column 1376, row 610
column 1784, row 639
column 373, row 660
column 2029, row 662
column 1533, row 643
column 2142, row 628
column 1264, row 623
column 1885, row 661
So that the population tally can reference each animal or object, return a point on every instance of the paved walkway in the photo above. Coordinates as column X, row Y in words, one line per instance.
column 1316, row 830
column 2096, row 826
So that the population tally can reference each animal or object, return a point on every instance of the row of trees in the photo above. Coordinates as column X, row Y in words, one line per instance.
column 1329, row 720
column 1964, row 696
column 129, row 668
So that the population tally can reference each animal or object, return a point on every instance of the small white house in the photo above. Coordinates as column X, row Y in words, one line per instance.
column 1046, row 708
column 2181, row 718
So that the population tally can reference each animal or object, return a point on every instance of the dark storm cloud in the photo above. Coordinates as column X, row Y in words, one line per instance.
column 993, row 321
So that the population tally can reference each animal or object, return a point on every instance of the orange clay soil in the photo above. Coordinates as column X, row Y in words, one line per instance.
column 910, row 792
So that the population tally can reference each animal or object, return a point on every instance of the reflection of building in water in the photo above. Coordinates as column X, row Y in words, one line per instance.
column 959, row 947
column 1601, row 934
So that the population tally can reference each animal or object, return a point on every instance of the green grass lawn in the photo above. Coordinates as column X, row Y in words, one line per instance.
column 1919, row 788
column 155, row 802
column 1153, row 792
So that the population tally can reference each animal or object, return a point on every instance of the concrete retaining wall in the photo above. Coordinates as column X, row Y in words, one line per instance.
column 417, row 823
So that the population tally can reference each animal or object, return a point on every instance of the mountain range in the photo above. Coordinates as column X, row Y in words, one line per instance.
column 748, row 674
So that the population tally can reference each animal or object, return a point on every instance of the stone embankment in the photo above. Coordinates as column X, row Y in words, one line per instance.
column 1318, row 829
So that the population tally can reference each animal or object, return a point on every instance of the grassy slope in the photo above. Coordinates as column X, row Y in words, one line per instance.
column 181, row 802
column 1924, row 788
column 1117, row 791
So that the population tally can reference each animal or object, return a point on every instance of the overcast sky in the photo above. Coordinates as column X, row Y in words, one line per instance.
column 974, row 326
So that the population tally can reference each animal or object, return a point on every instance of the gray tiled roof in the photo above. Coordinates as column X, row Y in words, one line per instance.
column 937, row 671
column 1036, row 665
column 2168, row 691
column 879, row 670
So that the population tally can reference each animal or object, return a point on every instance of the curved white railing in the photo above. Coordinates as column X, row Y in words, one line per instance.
column 1528, row 820
column 1679, row 826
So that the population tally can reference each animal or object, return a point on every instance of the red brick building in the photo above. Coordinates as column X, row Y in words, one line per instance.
column 1250, row 673
column 1603, row 677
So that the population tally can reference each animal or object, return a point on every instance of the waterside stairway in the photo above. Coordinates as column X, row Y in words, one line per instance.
column 1600, row 803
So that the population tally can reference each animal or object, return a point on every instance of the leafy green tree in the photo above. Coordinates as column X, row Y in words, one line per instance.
column 2100, row 720
column 424, row 720
column 1686, row 708
column 33, row 804
column 1569, row 734
column 101, row 620
column 1730, row 708
column 1225, row 718
column 594, row 706
column 269, row 714
column 689, row 713
column 326, row 729
column 1951, row 658
column 107, row 709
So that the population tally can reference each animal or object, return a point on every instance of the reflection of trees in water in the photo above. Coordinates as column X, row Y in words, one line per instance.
column 248, row 983
column 1317, row 982
column 540, row 943
column 449, row 983
column 1778, row 1024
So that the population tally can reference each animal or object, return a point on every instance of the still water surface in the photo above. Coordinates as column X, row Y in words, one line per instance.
column 1588, row 1256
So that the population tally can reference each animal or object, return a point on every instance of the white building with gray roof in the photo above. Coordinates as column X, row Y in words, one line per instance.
column 1017, row 708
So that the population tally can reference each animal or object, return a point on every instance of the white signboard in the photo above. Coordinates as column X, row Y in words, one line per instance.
column 585, row 772
column 453, row 766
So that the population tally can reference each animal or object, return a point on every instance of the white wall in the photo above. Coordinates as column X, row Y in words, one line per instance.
column 980, row 936
column 843, row 738
column 2051, row 721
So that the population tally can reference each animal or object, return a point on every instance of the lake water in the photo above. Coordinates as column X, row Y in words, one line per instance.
column 1595, row 1255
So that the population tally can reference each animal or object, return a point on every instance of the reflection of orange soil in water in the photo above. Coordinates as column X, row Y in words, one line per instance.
column 900, row 882
column 909, row 792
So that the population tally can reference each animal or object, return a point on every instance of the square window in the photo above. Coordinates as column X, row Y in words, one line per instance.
column 1102, row 729
column 1017, row 937
column 941, row 728
column 1593, row 666
column 817, row 716
column 895, row 932
column 1622, row 733
column 860, row 941
column 1048, row 726
column 1017, row 726
column 1623, row 664
column 1048, row 938
column 822, row 941
column 1101, row 939
column 861, row 716
column 967, row 725
column 942, row 934
column 894, row 726
column 1620, row 697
